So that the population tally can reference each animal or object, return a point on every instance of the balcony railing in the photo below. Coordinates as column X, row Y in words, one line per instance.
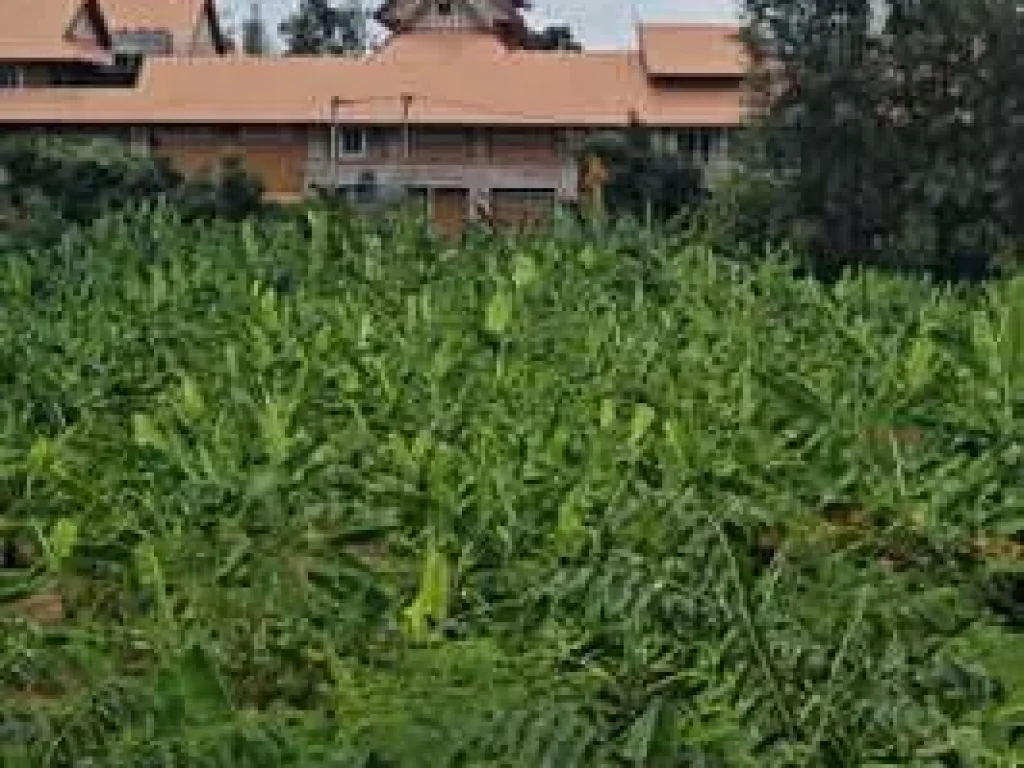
column 469, row 175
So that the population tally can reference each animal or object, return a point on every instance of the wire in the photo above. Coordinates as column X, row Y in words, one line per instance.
column 467, row 105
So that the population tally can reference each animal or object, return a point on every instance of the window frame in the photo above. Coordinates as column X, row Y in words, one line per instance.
column 348, row 132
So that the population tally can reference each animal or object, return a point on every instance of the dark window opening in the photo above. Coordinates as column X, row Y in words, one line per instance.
column 352, row 142
column 8, row 76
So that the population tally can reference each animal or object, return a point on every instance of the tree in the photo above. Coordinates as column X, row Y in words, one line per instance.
column 552, row 38
column 318, row 28
column 642, row 181
column 892, row 130
column 255, row 41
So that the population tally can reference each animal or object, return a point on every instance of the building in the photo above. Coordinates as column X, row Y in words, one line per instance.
column 451, row 109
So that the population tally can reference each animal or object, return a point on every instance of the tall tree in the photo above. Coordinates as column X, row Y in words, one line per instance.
column 321, row 28
column 892, row 129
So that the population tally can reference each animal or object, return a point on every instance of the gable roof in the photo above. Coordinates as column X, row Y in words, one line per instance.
column 513, row 88
column 54, row 30
column 433, row 45
column 692, row 50
column 180, row 18
column 505, row 15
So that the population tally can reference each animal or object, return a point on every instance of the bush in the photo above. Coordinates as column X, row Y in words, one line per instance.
column 228, row 192
column 47, row 183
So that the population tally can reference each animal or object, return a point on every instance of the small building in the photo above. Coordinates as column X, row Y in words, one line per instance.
column 451, row 110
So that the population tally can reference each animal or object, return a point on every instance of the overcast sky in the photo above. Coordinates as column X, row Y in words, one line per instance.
column 599, row 23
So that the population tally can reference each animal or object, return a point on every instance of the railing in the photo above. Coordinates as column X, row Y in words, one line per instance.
column 469, row 175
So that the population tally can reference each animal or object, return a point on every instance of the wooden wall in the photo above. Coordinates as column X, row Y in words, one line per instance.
column 278, row 155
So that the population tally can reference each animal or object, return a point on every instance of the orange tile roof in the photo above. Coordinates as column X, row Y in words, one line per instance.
column 180, row 18
column 481, row 84
column 434, row 45
column 692, row 50
column 41, row 30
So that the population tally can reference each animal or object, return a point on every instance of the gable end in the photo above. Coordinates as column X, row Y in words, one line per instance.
column 88, row 26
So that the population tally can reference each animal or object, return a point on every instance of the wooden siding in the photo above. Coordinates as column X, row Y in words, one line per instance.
column 519, row 209
column 278, row 156
column 533, row 146
column 449, row 209
column 442, row 145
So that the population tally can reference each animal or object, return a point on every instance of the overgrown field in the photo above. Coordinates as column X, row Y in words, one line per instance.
column 322, row 493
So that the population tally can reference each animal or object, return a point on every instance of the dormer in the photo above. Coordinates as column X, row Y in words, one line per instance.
column 165, row 27
column 502, row 18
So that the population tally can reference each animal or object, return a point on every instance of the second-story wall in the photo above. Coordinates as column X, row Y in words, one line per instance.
column 477, row 159
column 277, row 154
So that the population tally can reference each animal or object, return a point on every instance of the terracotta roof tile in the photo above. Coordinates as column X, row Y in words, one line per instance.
column 692, row 50
column 440, row 45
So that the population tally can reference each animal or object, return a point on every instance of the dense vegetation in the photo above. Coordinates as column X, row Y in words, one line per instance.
column 324, row 492
column 890, row 132
column 48, row 183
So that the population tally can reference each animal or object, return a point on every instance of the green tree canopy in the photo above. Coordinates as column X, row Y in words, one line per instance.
column 893, row 129
column 321, row 28
column 643, row 181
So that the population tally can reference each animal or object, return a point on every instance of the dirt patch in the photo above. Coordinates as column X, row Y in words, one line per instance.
column 44, row 608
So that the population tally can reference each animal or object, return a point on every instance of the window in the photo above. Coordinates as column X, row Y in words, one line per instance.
column 352, row 142
column 10, row 77
column 444, row 8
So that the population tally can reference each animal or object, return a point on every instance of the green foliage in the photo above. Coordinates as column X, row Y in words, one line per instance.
column 323, row 491
column 643, row 182
column 891, row 130
column 47, row 184
column 229, row 193
column 321, row 27
column 50, row 179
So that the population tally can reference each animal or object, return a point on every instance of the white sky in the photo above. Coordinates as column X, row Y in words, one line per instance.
column 599, row 23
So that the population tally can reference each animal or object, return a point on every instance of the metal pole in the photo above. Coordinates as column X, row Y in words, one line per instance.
column 406, row 107
column 333, row 153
